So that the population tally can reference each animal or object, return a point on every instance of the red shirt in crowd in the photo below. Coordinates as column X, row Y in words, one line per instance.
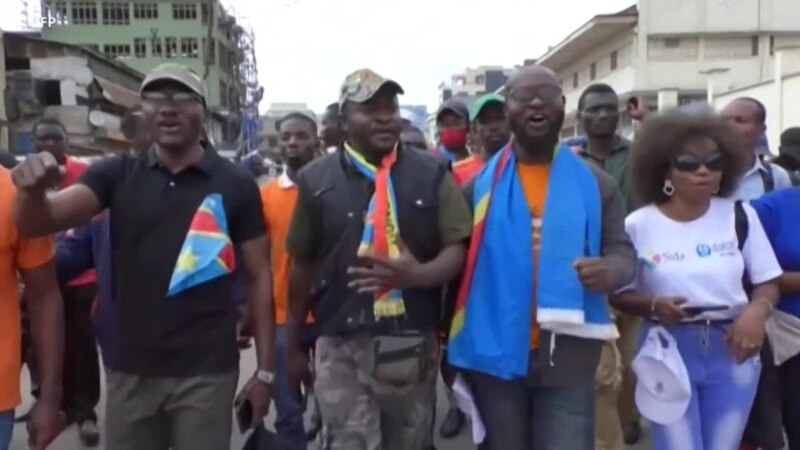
column 74, row 170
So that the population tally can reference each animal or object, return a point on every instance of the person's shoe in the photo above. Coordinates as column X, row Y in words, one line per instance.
column 89, row 434
column 452, row 424
column 632, row 432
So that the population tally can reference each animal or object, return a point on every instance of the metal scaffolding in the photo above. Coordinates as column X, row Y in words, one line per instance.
column 245, row 72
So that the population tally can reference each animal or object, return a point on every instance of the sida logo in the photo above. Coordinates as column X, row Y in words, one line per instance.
column 650, row 259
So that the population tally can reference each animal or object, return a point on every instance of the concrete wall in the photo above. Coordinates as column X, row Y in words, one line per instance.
column 678, row 39
column 767, row 93
column 680, row 66
column 718, row 16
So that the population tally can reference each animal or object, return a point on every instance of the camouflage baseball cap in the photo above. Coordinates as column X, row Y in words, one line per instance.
column 362, row 85
column 178, row 73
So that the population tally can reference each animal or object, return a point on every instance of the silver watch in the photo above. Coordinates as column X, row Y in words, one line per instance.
column 265, row 376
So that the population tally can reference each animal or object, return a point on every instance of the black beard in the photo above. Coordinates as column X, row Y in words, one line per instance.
column 534, row 145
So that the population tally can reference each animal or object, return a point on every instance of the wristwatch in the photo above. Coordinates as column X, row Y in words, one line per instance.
column 265, row 377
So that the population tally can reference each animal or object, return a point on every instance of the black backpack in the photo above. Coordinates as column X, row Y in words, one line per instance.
column 794, row 176
column 767, row 177
column 742, row 225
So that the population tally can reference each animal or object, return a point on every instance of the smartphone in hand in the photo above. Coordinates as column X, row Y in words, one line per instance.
column 244, row 416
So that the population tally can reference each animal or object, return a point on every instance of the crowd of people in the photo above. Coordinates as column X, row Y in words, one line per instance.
column 573, row 290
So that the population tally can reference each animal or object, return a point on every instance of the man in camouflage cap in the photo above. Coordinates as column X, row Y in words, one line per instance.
column 177, row 74
column 376, row 358
column 362, row 85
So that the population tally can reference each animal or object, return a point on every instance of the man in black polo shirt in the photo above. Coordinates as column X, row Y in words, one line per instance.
column 377, row 291
column 182, row 218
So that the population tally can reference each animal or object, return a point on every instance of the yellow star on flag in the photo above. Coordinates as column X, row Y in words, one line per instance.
column 187, row 260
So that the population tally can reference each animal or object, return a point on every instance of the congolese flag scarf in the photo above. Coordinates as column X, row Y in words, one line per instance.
column 381, row 230
column 207, row 252
column 491, row 328
column 450, row 156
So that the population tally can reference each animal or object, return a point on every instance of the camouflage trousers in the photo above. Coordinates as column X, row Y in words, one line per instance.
column 360, row 412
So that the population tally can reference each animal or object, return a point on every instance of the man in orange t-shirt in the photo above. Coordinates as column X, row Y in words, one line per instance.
column 298, row 144
column 31, row 261
column 81, row 380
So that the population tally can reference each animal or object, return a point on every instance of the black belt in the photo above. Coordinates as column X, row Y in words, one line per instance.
column 696, row 322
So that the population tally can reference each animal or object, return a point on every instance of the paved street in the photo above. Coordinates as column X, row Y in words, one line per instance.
column 69, row 439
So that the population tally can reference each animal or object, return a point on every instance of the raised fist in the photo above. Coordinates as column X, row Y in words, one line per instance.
column 39, row 171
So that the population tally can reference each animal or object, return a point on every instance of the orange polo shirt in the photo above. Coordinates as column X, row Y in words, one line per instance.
column 16, row 254
column 534, row 183
column 278, row 198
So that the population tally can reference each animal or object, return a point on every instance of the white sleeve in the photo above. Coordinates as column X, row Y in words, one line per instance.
column 782, row 179
column 759, row 258
column 630, row 228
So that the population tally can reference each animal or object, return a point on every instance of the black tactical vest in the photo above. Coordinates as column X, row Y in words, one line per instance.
column 341, row 195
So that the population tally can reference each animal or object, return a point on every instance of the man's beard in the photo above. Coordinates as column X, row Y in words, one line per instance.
column 552, row 136
column 538, row 143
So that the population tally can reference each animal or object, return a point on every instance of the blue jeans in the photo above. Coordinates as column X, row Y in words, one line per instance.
column 6, row 428
column 722, row 391
column 289, row 422
column 526, row 415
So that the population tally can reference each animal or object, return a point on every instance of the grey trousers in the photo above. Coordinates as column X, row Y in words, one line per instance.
column 146, row 413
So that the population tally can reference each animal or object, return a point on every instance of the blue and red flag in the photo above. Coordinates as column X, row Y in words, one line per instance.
column 207, row 252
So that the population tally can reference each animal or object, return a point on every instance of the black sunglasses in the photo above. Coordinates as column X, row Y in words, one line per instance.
column 547, row 93
column 180, row 98
column 688, row 162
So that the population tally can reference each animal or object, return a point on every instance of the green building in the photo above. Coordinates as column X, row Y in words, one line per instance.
column 145, row 33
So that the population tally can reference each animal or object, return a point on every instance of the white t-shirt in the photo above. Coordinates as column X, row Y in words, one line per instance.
column 700, row 260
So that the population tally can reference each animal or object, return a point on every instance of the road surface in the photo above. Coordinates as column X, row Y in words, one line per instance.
column 69, row 439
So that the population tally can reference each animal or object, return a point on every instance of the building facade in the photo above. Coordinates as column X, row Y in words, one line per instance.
column 87, row 93
column 473, row 83
column 145, row 33
column 671, row 53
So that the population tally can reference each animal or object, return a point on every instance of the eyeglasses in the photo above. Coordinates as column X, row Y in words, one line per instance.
column 547, row 93
column 692, row 163
column 179, row 98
